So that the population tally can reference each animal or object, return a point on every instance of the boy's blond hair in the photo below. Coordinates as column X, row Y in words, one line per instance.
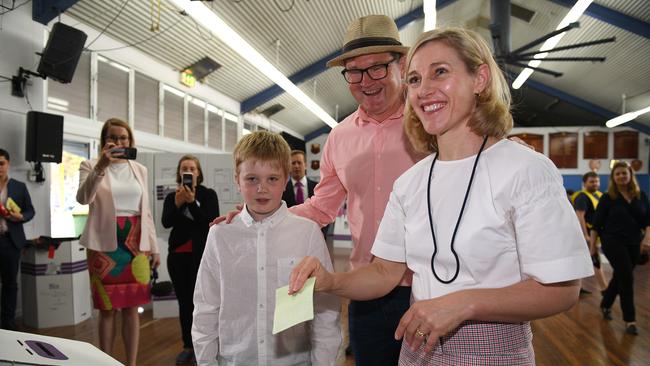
column 264, row 146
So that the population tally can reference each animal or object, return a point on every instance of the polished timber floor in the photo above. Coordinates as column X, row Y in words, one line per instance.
column 578, row 337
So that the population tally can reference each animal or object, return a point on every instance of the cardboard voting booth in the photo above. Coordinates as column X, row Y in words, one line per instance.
column 20, row 348
column 55, row 286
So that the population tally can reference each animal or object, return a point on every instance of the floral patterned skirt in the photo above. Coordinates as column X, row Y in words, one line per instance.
column 120, row 279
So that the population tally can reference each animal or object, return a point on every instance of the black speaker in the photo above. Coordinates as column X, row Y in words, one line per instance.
column 62, row 52
column 44, row 141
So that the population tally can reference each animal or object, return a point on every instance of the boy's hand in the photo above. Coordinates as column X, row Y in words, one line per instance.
column 229, row 216
column 309, row 267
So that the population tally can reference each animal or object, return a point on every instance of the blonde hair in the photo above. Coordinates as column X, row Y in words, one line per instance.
column 118, row 123
column 264, row 146
column 492, row 114
column 632, row 187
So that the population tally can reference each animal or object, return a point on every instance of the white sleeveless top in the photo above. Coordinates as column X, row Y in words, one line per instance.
column 126, row 190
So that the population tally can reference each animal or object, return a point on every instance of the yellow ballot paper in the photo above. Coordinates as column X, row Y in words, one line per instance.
column 12, row 206
column 293, row 309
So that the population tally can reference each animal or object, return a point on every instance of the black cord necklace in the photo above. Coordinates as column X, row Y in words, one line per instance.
column 453, row 237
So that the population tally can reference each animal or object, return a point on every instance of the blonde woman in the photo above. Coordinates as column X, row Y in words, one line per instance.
column 483, row 222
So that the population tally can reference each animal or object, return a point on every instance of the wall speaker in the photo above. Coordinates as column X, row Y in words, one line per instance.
column 44, row 141
column 62, row 52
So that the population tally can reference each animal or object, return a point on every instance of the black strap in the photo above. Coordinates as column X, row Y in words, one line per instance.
column 453, row 237
column 369, row 42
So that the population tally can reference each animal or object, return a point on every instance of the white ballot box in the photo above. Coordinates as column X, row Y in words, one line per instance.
column 55, row 291
column 20, row 348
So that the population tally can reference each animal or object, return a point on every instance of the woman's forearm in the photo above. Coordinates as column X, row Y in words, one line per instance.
column 524, row 301
column 369, row 282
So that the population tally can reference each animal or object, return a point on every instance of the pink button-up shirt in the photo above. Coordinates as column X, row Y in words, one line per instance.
column 362, row 158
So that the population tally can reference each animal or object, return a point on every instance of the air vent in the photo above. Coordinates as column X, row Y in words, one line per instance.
column 272, row 110
column 522, row 13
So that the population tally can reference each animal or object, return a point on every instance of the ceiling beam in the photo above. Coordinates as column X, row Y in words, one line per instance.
column 319, row 66
column 588, row 106
column 613, row 17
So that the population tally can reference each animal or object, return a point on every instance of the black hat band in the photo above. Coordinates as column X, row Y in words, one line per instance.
column 370, row 41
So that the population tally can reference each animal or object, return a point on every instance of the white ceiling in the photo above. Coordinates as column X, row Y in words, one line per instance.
column 313, row 29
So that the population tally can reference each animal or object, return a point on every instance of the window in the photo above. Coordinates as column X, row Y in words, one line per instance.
column 231, row 135
column 67, row 216
column 146, row 104
column 72, row 98
column 195, row 122
column 215, row 128
column 112, row 90
column 173, row 103
column 248, row 128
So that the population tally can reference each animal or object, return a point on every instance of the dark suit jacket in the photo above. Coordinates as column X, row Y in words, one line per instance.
column 290, row 197
column 17, row 191
column 183, row 228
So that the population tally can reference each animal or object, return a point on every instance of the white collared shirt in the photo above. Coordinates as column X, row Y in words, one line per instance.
column 305, row 192
column 234, row 298
column 517, row 223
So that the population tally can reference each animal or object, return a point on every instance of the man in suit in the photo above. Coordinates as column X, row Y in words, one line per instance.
column 299, row 188
column 12, row 238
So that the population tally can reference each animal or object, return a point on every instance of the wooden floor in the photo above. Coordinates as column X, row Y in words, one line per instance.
column 577, row 337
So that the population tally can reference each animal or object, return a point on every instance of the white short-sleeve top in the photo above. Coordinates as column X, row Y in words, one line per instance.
column 517, row 223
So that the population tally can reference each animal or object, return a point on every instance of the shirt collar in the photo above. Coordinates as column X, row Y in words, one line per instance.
column 303, row 180
column 363, row 118
column 270, row 221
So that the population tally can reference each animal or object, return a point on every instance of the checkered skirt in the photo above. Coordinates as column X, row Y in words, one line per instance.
column 477, row 343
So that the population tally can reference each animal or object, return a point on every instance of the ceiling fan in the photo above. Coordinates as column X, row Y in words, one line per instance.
column 500, row 30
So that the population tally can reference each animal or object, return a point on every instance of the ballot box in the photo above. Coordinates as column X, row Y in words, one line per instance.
column 55, row 285
column 20, row 348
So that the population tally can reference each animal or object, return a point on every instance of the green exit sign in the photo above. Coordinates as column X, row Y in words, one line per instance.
column 187, row 78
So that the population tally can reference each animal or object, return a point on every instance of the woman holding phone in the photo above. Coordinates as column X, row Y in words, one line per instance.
column 119, row 234
column 188, row 211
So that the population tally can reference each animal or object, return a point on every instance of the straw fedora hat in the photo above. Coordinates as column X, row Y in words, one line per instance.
column 369, row 34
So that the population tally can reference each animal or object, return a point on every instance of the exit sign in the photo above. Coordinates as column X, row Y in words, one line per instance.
column 187, row 78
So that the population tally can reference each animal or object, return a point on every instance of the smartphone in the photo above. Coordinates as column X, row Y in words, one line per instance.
column 125, row 152
column 188, row 179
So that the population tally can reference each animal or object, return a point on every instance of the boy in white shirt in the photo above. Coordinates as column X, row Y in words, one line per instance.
column 246, row 261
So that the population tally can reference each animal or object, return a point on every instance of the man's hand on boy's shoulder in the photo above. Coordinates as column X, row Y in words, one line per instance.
column 229, row 216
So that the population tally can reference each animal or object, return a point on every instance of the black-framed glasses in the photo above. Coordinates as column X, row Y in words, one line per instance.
column 375, row 72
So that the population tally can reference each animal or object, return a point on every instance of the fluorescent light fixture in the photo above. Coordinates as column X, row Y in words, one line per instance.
column 616, row 121
column 429, row 7
column 572, row 16
column 209, row 19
